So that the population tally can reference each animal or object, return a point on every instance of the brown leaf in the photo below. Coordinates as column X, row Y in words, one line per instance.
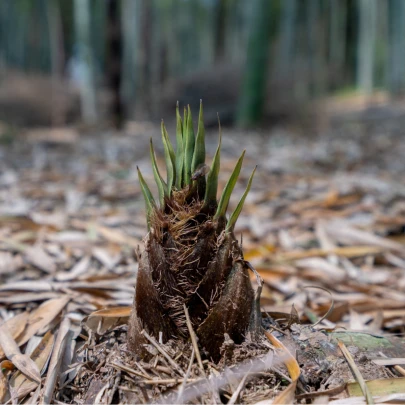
column 15, row 326
column 4, row 393
column 56, row 360
column 37, row 256
column 107, row 319
column 342, row 232
column 288, row 395
column 19, row 384
column 20, row 361
column 78, row 269
column 42, row 316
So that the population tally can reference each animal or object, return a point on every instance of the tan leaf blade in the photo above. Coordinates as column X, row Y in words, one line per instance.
column 56, row 360
column 5, row 367
column 380, row 387
column 20, row 361
column 106, row 319
column 288, row 395
column 15, row 326
column 37, row 256
column 356, row 372
column 42, row 316
column 21, row 385
column 4, row 392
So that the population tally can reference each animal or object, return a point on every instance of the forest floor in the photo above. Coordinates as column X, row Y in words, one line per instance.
column 326, row 211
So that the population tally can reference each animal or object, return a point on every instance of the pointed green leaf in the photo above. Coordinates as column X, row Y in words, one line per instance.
column 226, row 194
column 161, row 185
column 184, row 126
column 189, row 148
column 199, row 153
column 179, row 149
column 183, row 181
column 149, row 200
column 212, row 178
column 170, row 148
column 169, row 158
column 234, row 217
column 199, row 150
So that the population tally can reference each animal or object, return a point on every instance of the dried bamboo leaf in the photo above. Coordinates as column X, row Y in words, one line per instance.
column 105, row 319
column 21, row 385
column 288, row 395
column 4, row 392
column 386, row 386
column 55, row 362
column 15, row 326
column 20, row 361
column 356, row 373
column 41, row 317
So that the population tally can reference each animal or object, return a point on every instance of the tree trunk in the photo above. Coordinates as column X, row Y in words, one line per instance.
column 143, row 104
column 220, row 29
column 287, row 36
column 366, row 45
column 396, row 65
column 85, row 59
column 130, row 24
column 252, row 96
column 114, row 61
column 337, row 40
column 57, row 61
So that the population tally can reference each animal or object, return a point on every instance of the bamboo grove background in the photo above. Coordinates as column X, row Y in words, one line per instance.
column 248, row 60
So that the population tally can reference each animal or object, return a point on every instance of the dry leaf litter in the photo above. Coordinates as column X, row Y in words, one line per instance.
column 324, row 223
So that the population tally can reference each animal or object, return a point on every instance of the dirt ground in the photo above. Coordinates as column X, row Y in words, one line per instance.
column 325, row 210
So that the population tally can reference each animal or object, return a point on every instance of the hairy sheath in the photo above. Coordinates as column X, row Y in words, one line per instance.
column 191, row 256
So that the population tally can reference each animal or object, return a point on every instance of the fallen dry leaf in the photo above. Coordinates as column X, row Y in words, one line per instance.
column 15, row 326
column 106, row 319
column 19, row 384
column 41, row 317
column 287, row 396
column 37, row 256
column 20, row 361
column 55, row 362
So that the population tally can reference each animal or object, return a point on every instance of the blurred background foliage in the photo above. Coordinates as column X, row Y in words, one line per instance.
column 109, row 61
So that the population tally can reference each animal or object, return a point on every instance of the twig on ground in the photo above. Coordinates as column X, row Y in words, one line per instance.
column 235, row 395
column 129, row 370
column 165, row 355
column 193, row 339
column 356, row 373
column 186, row 376
column 168, row 381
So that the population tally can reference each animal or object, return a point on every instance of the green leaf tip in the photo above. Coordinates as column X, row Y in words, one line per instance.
column 227, row 192
column 199, row 149
column 189, row 142
column 161, row 185
column 179, row 150
column 169, row 159
column 199, row 152
column 149, row 200
column 212, row 178
column 235, row 215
